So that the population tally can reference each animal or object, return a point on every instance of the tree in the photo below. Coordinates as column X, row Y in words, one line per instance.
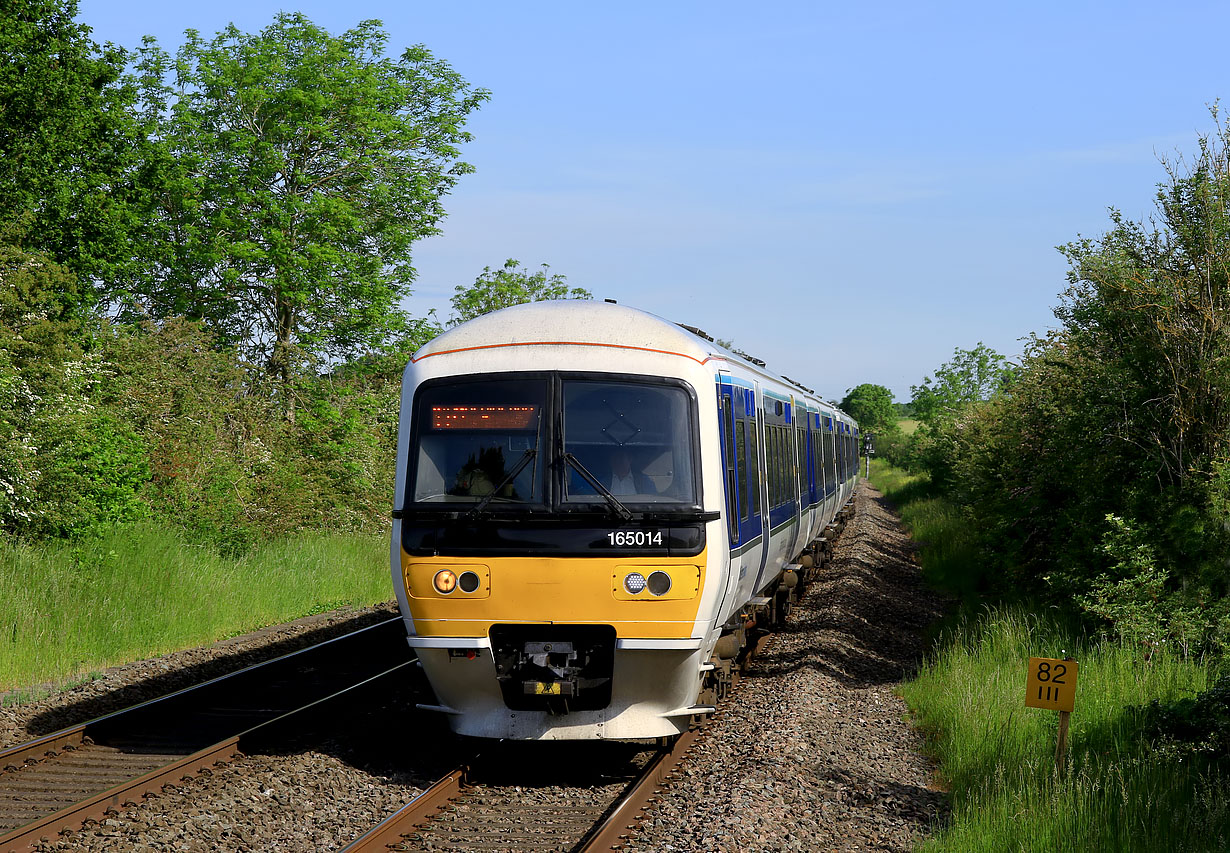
column 1101, row 472
column 296, row 169
column 970, row 376
column 69, row 139
column 872, row 406
column 68, row 465
column 510, row 285
column 1151, row 302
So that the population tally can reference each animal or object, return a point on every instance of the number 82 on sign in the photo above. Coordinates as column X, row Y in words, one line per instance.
column 1051, row 684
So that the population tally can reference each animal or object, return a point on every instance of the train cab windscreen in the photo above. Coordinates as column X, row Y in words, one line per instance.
column 480, row 441
column 536, row 463
column 634, row 439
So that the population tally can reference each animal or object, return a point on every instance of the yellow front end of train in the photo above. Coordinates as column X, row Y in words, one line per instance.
column 567, row 648
column 612, row 591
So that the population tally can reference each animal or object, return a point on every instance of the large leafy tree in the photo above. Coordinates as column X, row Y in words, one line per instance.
column 296, row 169
column 510, row 285
column 69, row 138
column 872, row 406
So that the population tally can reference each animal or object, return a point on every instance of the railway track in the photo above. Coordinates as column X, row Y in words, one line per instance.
column 526, row 796
column 521, row 799
column 537, row 797
column 58, row 781
column 582, row 797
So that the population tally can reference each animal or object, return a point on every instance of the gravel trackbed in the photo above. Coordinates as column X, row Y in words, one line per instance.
column 818, row 754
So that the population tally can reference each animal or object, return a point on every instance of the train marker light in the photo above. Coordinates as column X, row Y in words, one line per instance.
column 634, row 582
column 659, row 583
column 444, row 581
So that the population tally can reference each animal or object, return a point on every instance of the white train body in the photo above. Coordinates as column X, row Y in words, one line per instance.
column 545, row 605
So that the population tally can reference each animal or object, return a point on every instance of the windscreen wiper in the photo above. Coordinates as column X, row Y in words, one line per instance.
column 517, row 469
column 616, row 505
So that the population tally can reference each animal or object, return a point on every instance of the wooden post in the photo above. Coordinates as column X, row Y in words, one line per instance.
column 1061, row 746
column 1050, row 683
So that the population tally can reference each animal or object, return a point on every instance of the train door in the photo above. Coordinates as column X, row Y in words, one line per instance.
column 817, row 441
column 741, row 451
column 813, row 469
column 748, row 439
column 735, row 567
column 830, row 469
column 810, row 451
column 730, row 462
column 758, row 469
column 798, row 456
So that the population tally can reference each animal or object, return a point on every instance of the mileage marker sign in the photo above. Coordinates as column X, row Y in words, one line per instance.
column 1051, row 684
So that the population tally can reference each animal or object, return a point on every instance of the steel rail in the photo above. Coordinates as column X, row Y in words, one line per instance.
column 413, row 815
column 44, row 753
column 618, row 826
column 27, row 838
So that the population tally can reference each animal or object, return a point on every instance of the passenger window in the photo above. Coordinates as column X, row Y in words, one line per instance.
column 776, row 482
column 781, row 466
column 800, row 446
column 753, row 471
column 741, row 449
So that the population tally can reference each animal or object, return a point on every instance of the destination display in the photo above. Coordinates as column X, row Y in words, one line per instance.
column 484, row 417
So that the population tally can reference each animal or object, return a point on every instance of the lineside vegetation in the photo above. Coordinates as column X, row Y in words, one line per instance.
column 204, row 255
column 144, row 590
column 1077, row 503
column 1131, row 783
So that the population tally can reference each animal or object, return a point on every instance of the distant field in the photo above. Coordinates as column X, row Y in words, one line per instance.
column 70, row 609
column 908, row 425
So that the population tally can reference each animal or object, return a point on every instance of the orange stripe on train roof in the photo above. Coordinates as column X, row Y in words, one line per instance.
column 568, row 344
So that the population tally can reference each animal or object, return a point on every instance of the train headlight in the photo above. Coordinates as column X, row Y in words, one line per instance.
column 468, row 581
column 659, row 583
column 444, row 581
column 634, row 582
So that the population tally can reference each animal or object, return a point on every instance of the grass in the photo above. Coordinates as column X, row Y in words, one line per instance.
column 71, row 609
column 1124, row 790
column 947, row 547
column 908, row 425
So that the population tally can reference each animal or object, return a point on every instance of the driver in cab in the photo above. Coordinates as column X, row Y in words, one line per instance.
column 626, row 480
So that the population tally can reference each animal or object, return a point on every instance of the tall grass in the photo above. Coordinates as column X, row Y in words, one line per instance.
column 947, row 548
column 66, row 609
column 1122, row 791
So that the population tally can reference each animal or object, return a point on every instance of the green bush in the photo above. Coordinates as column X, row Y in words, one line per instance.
column 1199, row 724
column 1122, row 412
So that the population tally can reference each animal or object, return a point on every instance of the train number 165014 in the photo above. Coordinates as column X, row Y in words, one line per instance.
column 634, row 538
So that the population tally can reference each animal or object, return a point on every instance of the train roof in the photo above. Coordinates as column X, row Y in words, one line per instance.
column 582, row 321
column 579, row 321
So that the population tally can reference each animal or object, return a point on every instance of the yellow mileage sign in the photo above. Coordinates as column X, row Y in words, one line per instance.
column 1051, row 684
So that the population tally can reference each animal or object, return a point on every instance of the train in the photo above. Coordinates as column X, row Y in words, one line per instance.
column 595, row 510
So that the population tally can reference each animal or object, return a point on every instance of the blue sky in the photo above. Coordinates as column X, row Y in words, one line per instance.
column 848, row 191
